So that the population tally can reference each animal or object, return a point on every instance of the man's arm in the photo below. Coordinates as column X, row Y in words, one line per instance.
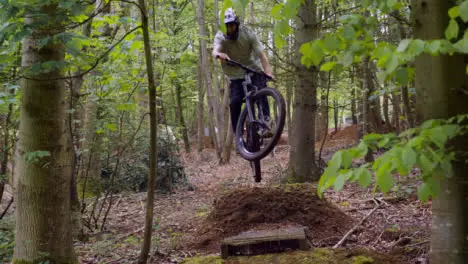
column 266, row 64
column 217, row 49
column 258, row 50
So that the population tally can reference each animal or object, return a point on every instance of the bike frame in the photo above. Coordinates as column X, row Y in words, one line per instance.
column 245, row 85
column 248, row 95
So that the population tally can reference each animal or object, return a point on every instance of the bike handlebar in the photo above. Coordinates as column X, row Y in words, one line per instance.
column 245, row 68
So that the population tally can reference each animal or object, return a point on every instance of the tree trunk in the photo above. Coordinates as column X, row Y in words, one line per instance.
column 290, row 82
column 289, row 96
column 229, row 134
column 153, row 135
column 353, row 99
column 353, row 107
column 302, row 165
column 336, row 110
column 440, row 82
column 201, row 109
column 42, row 213
column 366, row 82
column 322, row 115
column 396, row 112
column 375, row 109
column 404, row 89
column 91, row 169
column 227, row 148
column 388, row 122
column 407, row 106
column 180, row 114
column 76, row 121
column 214, row 121
column 7, row 143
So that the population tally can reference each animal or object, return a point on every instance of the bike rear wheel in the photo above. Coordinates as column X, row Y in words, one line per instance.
column 275, row 104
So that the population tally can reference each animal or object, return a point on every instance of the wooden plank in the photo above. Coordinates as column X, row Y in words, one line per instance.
column 260, row 242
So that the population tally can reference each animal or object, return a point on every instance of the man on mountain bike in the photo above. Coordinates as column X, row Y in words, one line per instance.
column 241, row 44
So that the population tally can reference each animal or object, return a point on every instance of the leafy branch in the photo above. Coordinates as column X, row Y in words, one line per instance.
column 425, row 147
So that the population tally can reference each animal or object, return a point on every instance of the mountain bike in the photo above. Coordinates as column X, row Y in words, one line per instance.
column 261, row 122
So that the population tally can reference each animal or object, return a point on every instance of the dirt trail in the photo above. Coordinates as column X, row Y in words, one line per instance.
column 224, row 200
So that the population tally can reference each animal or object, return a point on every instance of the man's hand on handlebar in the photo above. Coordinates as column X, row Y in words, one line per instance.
column 222, row 56
column 269, row 74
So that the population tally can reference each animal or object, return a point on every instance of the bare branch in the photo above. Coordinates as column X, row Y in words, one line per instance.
column 94, row 65
column 356, row 226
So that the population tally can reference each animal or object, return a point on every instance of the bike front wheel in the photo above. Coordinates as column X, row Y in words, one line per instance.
column 256, row 170
column 269, row 111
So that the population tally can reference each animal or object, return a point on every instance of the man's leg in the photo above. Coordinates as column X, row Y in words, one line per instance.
column 260, row 82
column 235, row 101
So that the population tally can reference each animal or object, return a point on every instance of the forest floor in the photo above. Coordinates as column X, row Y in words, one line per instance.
column 221, row 201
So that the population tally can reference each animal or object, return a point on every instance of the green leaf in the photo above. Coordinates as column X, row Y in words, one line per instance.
column 392, row 63
column 111, row 127
column 391, row 3
column 324, row 181
column 346, row 159
column 424, row 191
column 402, row 76
column 348, row 58
column 276, row 11
column 434, row 47
column 446, row 166
column 312, row 53
column 328, row 66
column 239, row 5
column 403, row 45
column 366, row 3
column 432, row 123
column 408, row 156
column 331, row 43
column 462, row 44
column 382, row 143
column 451, row 130
column 464, row 11
column 4, row 58
column 339, row 182
column 454, row 12
column 364, row 177
column 136, row 44
column 126, row 107
column 291, row 7
column 452, row 30
column 284, row 27
column 425, row 164
column 335, row 162
column 438, row 136
column 416, row 47
column 384, row 178
column 371, row 138
column 279, row 40
column 348, row 32
column 338, row 69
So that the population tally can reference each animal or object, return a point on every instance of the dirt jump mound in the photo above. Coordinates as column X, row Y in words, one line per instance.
column 272, row 207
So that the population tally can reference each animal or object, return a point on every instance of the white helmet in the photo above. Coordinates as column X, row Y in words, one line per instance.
column 230, row 16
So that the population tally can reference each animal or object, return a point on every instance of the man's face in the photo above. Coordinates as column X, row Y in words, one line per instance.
column 231, row 28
